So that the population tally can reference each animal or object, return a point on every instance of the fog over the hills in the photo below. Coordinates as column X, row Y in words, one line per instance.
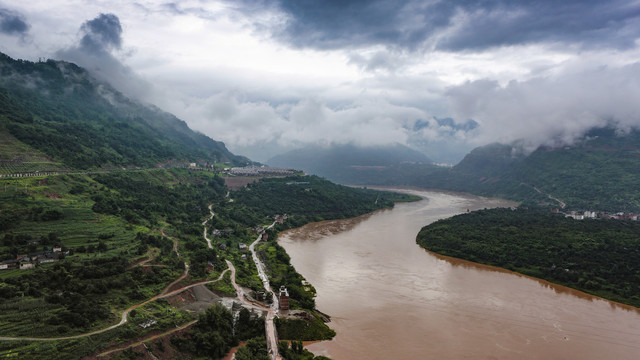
column 266, row 76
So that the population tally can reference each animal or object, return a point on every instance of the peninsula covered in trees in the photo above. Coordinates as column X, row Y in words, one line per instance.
column 597, row 256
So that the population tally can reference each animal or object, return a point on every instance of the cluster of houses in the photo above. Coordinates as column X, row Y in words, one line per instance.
column 200, row 164
column 29, row 261
column 581, row 215
column 278, row 218
column 297, row 183
column 257, row 230
column 260, row 171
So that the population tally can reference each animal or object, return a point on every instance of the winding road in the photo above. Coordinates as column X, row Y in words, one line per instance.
column 272, row 311
column 125, row 314
column 204, row 224
column 560, row 202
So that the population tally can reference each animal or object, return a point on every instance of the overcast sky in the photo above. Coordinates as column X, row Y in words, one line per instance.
column 264, row 76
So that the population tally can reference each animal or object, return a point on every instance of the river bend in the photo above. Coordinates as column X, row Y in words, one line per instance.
column 390, row 299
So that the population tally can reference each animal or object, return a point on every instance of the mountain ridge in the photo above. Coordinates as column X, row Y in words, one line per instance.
column 59, row 109
column 600, row 172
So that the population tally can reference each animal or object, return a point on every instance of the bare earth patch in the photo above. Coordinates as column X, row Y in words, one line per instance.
column 238, row 182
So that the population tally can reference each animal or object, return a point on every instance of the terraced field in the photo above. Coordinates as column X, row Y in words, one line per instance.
column 17, row 157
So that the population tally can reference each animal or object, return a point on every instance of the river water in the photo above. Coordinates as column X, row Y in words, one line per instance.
column 390, row 299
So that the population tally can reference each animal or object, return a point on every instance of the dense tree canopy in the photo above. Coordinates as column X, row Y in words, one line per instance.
column 59, row 109
column 599, row 256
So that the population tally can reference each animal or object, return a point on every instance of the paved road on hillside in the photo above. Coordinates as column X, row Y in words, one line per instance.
column 272, row 313
column 125, row 314
column 270, row 329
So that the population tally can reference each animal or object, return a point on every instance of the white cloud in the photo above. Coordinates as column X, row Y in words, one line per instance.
column 225, row 117
column 249, row 125
column 215, row 65
column 544, row 110
column 370, row 122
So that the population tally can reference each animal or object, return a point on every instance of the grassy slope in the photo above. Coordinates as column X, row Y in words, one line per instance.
column 21, row 197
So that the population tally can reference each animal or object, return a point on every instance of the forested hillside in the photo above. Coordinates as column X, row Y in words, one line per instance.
column 600, row 173
column 310, row 198
column 100, row 246
column 58, row 109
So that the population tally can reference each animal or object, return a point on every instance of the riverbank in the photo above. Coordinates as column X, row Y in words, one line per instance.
column 557, row 288
column 593, row 256
column 456, row 309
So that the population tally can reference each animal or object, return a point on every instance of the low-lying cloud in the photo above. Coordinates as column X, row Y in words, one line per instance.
column 550, row 110
column 99, row 38
column 250, row 125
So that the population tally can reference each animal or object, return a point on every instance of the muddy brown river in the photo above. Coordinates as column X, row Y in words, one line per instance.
column 390, row 299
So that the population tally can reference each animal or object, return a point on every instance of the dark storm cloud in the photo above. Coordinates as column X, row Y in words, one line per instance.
column 99, row 37
column 457, row 24
column 101, row 34
column 336, row 24
column 12, row 23
column 608, row 24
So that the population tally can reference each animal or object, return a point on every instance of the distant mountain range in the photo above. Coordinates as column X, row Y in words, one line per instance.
column 58, row 109
column 350, row 164
column 600, row 172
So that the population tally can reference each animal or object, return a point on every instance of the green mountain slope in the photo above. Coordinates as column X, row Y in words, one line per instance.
column 601, row 172
column 58, row 109
column 490, row 160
